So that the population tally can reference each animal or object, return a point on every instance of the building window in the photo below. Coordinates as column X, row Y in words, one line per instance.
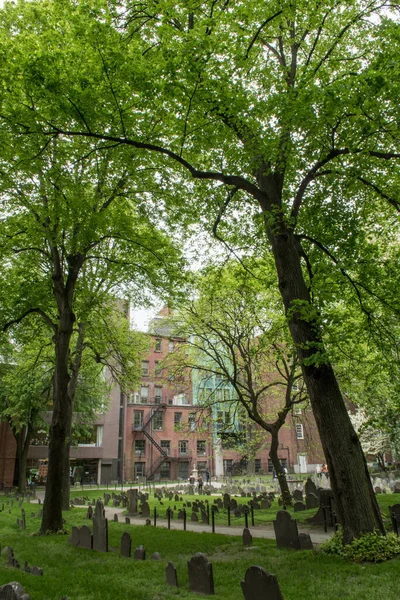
column 183, row 446
column 192, row 421
column 139, row 469
column 165, row 471
column 158, row 394
column 283, row 462
column 299, row 431
column 177, row 420
column 145, row 368
column 166, row 446
column 257, row 465
column 201, row 466
column 140, row 446
column 158, row 345
column 138, row 419
column 157, row 367
column 144, row 394
column 158, row 421
column 227, row 464
column 133, row 398
column 171, row 346
column 201, row 448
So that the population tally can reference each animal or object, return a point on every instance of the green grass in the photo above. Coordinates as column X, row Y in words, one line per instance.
column 261, row 517
column 85, row 575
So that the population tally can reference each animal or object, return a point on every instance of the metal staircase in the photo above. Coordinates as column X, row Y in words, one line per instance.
column 151, row 437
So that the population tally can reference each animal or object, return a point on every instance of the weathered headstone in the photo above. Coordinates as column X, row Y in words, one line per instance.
column 89, row 514
column 299, row 506
column 265, row 504
column 312, row 501
column 201, row 579
column 171, row 575
column 194, row 517
column 156, row 556
column 75, row 536
column 260, row 585
column 127, row 521
column 126, row 545
column 132, row 501
column 115, row 518
column 145, row 509
column 140, row 553
column 298, row 495
column 13, row 591
column 226, row 501
column 286, row 533
column 86, row 538
column 100, row 528
column 247, row 537
column 310, row 487
column 305, row 542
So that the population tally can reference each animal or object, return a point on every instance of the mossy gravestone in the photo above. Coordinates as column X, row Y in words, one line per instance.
column 100, row 528
column 201, row 580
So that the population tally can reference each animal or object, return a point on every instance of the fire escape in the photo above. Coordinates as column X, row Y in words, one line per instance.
column 144, row 428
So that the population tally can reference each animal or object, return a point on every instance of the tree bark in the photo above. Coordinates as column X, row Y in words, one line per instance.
column 22, row 438
column 52, row 520
column 356, row 504
column 273, row 453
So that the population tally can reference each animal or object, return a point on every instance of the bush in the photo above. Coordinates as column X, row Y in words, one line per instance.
column 370, row 547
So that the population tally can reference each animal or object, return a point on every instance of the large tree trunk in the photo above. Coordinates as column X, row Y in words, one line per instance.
column 52, row 520
column 357, row 508
column 273, row 453
column 22, row 439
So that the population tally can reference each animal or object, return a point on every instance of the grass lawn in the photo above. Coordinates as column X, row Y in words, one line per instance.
column 85, row 575
column 261, row 517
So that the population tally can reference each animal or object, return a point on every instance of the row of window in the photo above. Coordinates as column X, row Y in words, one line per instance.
column 145, row 365
column 158, row 420
column 183, row 447
column 165, row 469
column 228, row 465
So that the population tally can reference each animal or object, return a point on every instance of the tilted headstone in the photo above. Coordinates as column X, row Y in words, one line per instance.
column 260, row 585
column 286, row 533
column 140, row 553
column 126, row 545
column 100, row 528
column 305, row 542
column 171, row 575
column 247, row 537
column 86, row 538
column 201, row 579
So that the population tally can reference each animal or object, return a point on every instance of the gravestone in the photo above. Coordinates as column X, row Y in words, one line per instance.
column 156, row 556
column 226, row 501
column 145, row 510
column 204, row 518
column 75, row 536
column 115, row 518
column 298, row 495
column 394, row 512
column 126, row 545
column 260, row 585
column 299, row 506
column 310, row 487
column 247, row 537
column 195, row 517
column 201, row 579
column 171, row 575
column 181, row 514
column 305, row 542
column 312, row 501
column 13, row 591
column 89, row 514
column 324, row 512
column 107, row 499
column 36, row 571
column 132, row 501
column 127, row 521
column 286, row 533
column 100, row 528
column 12, row 561
column 233, row 504
column 265, row 504
column 86, row 538
column 140, row 553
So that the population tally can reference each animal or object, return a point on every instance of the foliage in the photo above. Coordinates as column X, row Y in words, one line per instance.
column 369, row 547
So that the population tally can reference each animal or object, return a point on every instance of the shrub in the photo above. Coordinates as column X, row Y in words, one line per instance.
column 370, row 547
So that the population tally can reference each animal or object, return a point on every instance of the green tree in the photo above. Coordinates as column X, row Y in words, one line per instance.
column 236, row 331
column 286, row 115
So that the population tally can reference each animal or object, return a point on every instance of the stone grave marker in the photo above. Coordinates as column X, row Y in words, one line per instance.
column 247, row 537
column 171, row 575
column 145, row 509
column 107, row 499
column 126, row 545
column 86, row 538
column 260, row 585
column 286, row 533
column 100, row 528
column 265, row 504
column 204, row 518
column 75, row 536
column 132, row 501
column 299, row 506
column 140, row 553
column 305, row 541
column 195, row 517
column 226, row 501
column 201, row 579
column 298, row 495
column 12, row 561
column 156, row 556
column 312, row 501
column 127, row 521
column 89, row 514
column 115, row 518
column 13, row 591
column 310, row 487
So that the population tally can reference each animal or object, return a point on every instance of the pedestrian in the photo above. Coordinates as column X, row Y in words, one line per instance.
column 207, row 474
column 200, row 483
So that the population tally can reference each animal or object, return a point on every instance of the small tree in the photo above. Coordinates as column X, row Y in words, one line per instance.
column 236, row 333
